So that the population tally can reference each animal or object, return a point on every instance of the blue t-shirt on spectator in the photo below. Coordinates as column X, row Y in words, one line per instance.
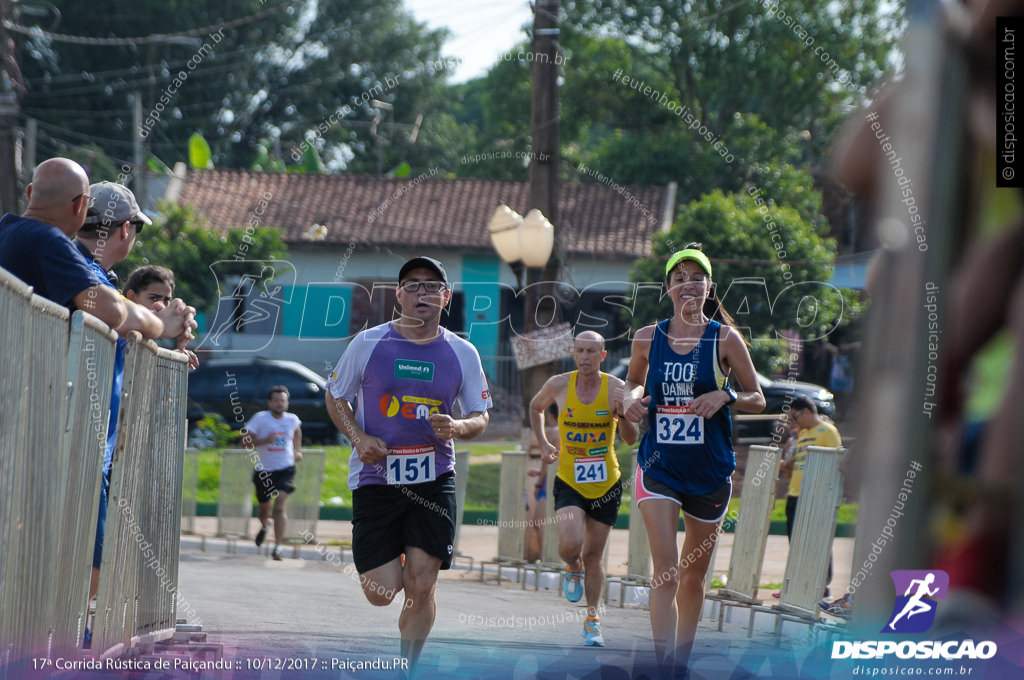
column 118, row 383
column 42, row 256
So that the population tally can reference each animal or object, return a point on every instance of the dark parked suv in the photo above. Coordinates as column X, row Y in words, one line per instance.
column 226, row 386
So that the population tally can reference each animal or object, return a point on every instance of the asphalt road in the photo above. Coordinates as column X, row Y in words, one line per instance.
column 308, row 618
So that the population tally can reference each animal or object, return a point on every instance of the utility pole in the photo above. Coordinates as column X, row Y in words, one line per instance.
column 28, row 157
column 544, row 119
column 540, row 303
column 138, row 152
column 8, row 116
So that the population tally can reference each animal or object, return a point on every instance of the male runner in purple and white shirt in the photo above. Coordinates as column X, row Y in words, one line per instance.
column 392, row 393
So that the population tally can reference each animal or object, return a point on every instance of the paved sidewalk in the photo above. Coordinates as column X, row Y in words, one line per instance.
column 482, row 543
column 274, row 617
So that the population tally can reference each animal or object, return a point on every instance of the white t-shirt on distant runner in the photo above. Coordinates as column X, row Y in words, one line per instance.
column 280, row 453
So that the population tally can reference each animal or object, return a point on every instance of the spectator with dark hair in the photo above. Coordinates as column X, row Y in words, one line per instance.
column 278, row 434
column 813, row 431
column 149, row 285
column 153, row 287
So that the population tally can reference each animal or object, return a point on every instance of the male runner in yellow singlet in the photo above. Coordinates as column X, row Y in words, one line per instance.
column 587, row 487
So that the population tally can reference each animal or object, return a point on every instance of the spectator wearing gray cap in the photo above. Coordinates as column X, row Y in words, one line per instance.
column 110, row 228
column 105, row 239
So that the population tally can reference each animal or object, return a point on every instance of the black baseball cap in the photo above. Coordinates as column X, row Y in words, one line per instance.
column 426, row 263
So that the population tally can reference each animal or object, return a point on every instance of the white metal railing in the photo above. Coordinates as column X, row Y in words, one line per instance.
column 58, row 370
column 752, row 524
column 810, row 549
column 234, row 501
column 38, row 362
column 90, row 370
column 304, row 502
column 139, row 573
column 814, row 527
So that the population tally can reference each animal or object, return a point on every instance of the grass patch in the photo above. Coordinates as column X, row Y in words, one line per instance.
column 847, row 511
column 208, row 484
column 482, row 491
column 483, row 486
column 493, row 448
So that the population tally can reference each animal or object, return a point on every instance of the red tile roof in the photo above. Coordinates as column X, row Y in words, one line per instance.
column 594, row 218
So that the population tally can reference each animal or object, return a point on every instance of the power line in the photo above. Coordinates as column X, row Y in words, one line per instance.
column 85, row 136
column 152, row 39
column 137, row 69
column 133, row 84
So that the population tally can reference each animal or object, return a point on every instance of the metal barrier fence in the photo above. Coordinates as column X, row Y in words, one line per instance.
column 234, row 502
column 511, row 506
column 511, row 513
column 189, row 491
column 14, row 301
column 638, row 560
column 58, row 372
column 461, row 484
column 27, row 607
column 90, row 369
column 139, row 574
column 814, row 527
column 235, row 499
column 752, row 524
column 304, row 502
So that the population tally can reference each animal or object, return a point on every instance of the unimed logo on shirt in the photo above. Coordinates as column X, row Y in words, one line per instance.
column 414, row 370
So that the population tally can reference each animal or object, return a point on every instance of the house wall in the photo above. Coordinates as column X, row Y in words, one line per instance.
column 315, row 312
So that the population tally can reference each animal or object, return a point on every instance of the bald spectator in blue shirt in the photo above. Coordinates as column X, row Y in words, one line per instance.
column 36, row 247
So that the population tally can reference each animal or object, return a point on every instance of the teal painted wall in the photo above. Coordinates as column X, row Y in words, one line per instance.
column 480, row 277
column 321, row 310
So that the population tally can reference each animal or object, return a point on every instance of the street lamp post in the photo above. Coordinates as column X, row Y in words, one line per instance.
column 524, row 244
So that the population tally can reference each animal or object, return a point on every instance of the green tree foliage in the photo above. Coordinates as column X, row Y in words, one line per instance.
column 270, row 82
column 793, row 64
column 762, row 95
column 744, row 236
column 184, row 243
column 745, row 74
column 495, row 115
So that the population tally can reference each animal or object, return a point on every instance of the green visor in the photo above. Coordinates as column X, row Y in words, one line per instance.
column 688, row 254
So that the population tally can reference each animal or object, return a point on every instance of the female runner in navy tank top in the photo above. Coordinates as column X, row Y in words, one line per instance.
column 686, row 458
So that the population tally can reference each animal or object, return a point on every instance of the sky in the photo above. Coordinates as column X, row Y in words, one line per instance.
column 482, row 30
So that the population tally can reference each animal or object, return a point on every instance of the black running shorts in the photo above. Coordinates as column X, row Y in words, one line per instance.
column 388, row 519
column 604, row 509
column 269, row 483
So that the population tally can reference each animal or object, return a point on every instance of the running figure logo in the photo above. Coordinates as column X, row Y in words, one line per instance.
column 914, row 611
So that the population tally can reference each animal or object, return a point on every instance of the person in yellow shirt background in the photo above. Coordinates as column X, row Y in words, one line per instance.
column 814, row 430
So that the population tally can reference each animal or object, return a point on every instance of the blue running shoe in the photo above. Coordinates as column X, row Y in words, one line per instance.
column 592, row 633
column 572, row 584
